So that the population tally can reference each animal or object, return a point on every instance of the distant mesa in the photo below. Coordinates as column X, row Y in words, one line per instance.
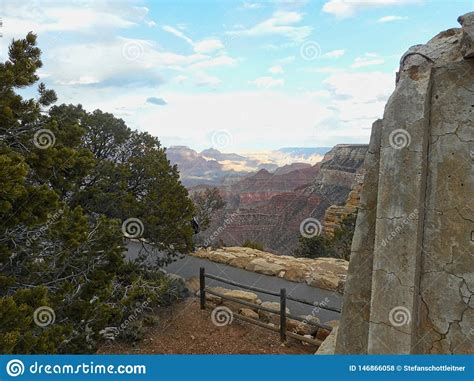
column 212, row 167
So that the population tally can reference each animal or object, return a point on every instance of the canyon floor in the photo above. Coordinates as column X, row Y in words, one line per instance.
column 185, row 329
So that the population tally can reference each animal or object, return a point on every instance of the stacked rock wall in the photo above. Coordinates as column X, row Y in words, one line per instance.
column 411, row 275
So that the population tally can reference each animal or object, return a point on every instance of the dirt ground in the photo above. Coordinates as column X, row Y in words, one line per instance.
column 185, row 329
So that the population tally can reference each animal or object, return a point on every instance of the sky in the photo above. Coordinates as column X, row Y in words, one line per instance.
column 237, row 76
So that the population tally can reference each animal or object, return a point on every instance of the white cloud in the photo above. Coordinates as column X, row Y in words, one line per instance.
column 348, row 8
column 281, row 23
column 267, row 82
column 334, row 53
column 180, row 79
column 177, row 33
column 82, row 80
column 21, row 17
column 368, row 59
column 318, row 94
column 203, row 79
column 385, row 19
column 208, row 45
column 214, row 62
column 248, row 5
column 258, row 119
column 252, row 118
column 120, row 60
column 277, row 69
column 362, row 87
column 151, row 24
column 204, row 46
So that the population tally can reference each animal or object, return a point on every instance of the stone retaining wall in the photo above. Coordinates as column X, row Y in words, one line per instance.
column 324, row 273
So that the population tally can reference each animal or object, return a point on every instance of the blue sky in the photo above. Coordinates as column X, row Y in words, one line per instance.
column 235, row 75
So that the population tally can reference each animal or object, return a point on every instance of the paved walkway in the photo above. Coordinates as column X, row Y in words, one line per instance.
column 188, row 266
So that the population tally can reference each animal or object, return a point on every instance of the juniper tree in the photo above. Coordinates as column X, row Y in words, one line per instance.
column 62, row 201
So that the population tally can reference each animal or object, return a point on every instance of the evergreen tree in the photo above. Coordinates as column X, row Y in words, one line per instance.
column 68, row 179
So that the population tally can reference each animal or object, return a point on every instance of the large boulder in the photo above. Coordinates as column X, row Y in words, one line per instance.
column 467, row 39
column 247, row 312
column 192, row 284
column 214, row 298
column 260, row 265
column 246, row 296
column 270, row 317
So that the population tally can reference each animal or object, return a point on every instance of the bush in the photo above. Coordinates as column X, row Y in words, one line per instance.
column 253, row 245
column 337, row 246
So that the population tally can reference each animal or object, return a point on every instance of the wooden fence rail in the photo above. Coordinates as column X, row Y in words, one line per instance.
column 281, row 312
column 292, row 298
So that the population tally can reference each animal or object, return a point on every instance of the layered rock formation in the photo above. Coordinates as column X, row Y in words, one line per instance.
column 325, row 273
column 411, row 275
column 335, row 214
column 269, row 208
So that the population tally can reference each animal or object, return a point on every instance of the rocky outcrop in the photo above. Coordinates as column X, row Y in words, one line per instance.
column 335, row 214
column 325, row 273
column 411, row 277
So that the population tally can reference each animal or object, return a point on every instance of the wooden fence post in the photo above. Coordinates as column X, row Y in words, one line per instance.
column 283, row 314
column 202, row 286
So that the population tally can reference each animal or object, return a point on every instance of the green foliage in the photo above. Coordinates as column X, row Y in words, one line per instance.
column 207, row 203
column 253, row 245
column 218, row 244
column 337, row 246
column 342, row 240
column 313, row 247
column 61, row 210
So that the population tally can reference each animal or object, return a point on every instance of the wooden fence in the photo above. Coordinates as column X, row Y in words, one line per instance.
column 282, row 329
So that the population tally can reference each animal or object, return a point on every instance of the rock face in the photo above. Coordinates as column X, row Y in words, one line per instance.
column 325, row 273
column 411, row 276
column 335, row 214
column 269, row 208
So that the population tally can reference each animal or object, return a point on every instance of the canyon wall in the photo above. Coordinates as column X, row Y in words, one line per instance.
column 411, row 275
column 270, row 208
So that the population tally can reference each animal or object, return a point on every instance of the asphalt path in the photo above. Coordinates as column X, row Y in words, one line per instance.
column 188, row 266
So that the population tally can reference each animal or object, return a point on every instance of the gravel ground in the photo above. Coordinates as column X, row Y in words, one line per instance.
column 185, row 329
